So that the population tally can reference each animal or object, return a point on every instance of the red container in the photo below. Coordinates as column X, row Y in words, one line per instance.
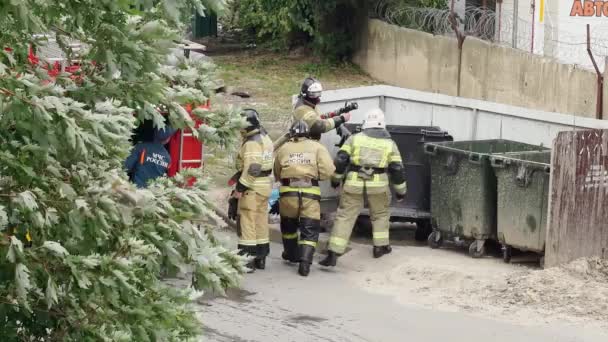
column 185, row 150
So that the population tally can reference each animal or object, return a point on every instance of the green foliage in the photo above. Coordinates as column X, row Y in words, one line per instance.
column 331, row 25
column 99, row 244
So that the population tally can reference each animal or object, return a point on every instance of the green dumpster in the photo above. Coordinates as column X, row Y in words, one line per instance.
column 463, row 190
column 522, row 201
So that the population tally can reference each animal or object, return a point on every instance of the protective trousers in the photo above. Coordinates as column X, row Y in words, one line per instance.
column 300, row 213
column 348, row 211
column 252, row 225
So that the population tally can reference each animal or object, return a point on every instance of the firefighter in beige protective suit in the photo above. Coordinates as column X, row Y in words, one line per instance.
column 365, row 164
column 299, row 165
column 306, row 109
column 254, row 164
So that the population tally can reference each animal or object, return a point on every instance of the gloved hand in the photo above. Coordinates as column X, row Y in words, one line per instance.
column 400, row 197
column 335, row 183
column 233, row 204
column 274, row 210
column 346, row 117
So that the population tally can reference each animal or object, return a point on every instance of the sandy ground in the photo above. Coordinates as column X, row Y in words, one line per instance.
column 448, row 280
column 414, row 294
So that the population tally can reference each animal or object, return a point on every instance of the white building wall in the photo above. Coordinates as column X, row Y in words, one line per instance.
column 556, row 33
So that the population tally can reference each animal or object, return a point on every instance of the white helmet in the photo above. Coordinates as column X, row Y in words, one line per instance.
column 311, row 88
column 374, row 119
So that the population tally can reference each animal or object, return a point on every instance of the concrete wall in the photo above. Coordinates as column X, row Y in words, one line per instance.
column 409, row 58
column 421, row 61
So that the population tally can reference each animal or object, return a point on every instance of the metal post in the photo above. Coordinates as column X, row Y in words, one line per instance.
column 533, row 11
column 599, row 110
column 460, row 37
column 515, row 20
column 499, row 19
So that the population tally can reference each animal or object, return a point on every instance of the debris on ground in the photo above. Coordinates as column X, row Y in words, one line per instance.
column 241, row 94
column 573, row 293
column 578, row 289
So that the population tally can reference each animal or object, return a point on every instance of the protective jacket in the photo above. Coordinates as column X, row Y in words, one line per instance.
column 254, row 161
column 146, row 162
column 368, row 160
column 304, row 110
column 306, row 160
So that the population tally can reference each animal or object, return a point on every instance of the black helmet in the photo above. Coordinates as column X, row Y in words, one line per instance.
column 252, row 117
column 317, row 129
column 299, row 129
column 311, row 89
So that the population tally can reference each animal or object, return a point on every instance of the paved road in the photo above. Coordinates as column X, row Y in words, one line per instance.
column 278, row 305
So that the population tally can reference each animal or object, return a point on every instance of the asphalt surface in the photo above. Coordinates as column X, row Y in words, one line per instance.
column 276, row 304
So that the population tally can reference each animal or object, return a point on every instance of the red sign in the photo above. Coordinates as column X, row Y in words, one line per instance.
column 588, row 8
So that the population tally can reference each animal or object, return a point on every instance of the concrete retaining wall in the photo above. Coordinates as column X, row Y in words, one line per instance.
column 421, row 61
column 408, row 58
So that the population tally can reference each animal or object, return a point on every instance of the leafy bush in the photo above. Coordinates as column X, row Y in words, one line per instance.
column 81, row 249
column 330, row 25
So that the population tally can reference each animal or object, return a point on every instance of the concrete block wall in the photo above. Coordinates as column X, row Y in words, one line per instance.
column 409, row 58
column 421, row 61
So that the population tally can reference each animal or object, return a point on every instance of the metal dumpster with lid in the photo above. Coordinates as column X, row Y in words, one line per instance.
column 464, row 190
column 522, row 200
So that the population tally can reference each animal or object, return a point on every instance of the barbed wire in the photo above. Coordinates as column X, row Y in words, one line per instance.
column 498, row 28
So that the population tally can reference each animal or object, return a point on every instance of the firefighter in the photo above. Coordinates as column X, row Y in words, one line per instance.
column 150, row 159
column 306, row 109
column 365, row 164
column 299, row 165
column 253, row 188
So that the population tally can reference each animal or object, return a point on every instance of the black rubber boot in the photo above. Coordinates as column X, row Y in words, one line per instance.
column 306, row 253
column 251, row 266
column 330, row 260
column 260, row 263
column 289, row 226
column 248, row 251
column 382, row 250
column 290, row 258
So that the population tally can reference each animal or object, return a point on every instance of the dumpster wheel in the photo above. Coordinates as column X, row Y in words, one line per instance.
column 423, row 230
column 507, row 253
column 435, row 240
column 477, row 249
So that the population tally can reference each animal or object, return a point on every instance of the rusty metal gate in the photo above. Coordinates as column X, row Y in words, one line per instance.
column 578, row 209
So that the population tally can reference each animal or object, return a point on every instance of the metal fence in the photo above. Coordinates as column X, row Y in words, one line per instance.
column 503, row 25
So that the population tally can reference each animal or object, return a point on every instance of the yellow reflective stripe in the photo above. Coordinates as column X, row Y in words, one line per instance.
column 357, row 150
column 346, row 148
column 246, row 154
column 262, row 241
column 28, row 237
column 290, row 236
column 375, row 182
column 395, row 159
column 338, row 176
column 381, row 235
column 338, row 241
column 310, row 243
column 400, row 186
column 388, row 151
column 248, row 242
column 246, row 183
column 315, row 190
